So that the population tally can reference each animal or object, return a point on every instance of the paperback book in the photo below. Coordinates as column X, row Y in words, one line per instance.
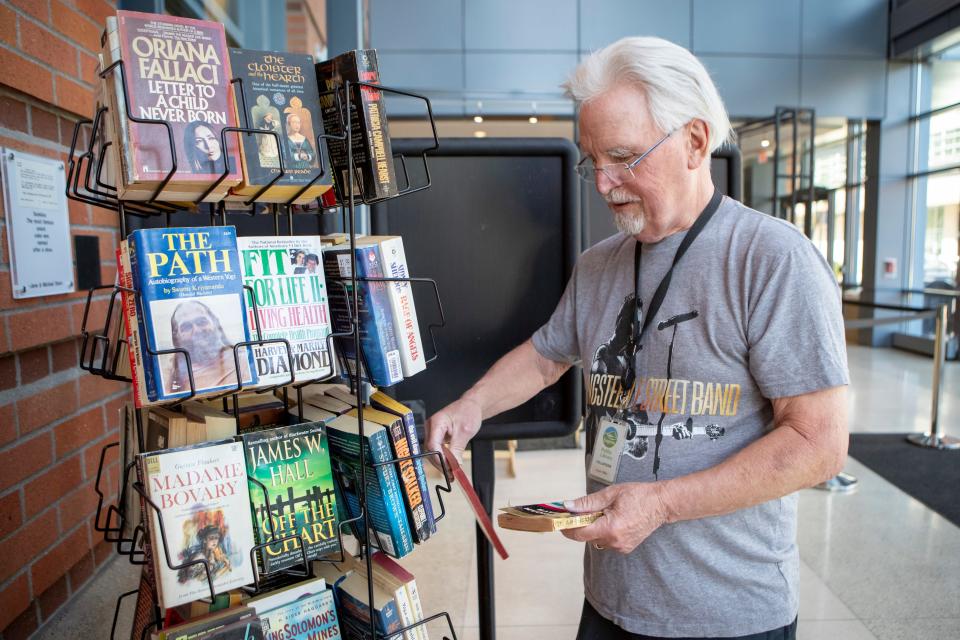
column 175, row 71
column 378, row 340
column 384, row 501
column 203, row 502
column 293, row 462
column 239, row 623
column 291, row 296
column 373, row 174
column 313, row 617
column 191, row 298
column 352, row 595
column 546, row 516
column 279, row 92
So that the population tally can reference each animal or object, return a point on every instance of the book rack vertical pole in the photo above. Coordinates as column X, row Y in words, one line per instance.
column 482, row 465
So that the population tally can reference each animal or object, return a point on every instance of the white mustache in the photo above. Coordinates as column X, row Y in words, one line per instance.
column 620, row 196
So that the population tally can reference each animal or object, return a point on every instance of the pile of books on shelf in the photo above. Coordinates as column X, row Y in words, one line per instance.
column 270, row 498
column 175, row 96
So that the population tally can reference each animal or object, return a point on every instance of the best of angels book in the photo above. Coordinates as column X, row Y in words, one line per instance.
column 175, row 71
column 204, row 503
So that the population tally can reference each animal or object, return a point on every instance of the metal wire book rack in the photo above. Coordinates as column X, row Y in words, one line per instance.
column 103, row 348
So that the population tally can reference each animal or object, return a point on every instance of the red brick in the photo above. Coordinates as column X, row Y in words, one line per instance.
column 8, row 424
column 48, row 569
column 31, row 540
column 81, row 571
column 32, row 328
column 11, row 516
column 94, row 388
column 79, row 212
column 91, row 458
column 15, row 598
column 51, row 486
column 96, row 316
column 8, row 34
column 34, row 364
column 75, row 26
column 102, row 552
column 24, row 75
column 39, row 9
column 78, row 431
column 24, row 625
column 51, row 599
column 47, row 406
column 13, row 113
column 45, row 124
column 45, row 45
column 97, row 10
column 88, row 68
column 72, row 96
column 64, row 355
column 4, row 339
column 77, row 506
column 24, row 460
column 8, row 372
column 103, row 218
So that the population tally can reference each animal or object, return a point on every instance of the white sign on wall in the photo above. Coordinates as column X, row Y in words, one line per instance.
column 38, row 224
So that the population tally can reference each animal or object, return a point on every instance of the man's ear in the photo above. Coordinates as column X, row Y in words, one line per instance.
column 698, row 143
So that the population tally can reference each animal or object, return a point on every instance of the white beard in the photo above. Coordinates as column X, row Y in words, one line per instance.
column 629, row 223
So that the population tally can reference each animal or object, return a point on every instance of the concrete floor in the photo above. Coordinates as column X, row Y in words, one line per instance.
column 875, row 564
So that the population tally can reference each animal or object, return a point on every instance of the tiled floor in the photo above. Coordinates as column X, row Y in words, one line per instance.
column 875, row 564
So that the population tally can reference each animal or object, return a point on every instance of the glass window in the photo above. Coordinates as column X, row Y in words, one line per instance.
column 942, row 230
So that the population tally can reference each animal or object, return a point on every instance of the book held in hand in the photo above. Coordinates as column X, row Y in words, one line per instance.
column 279, row 91
column 203, row 501
column 547, row 516
column 288, row 283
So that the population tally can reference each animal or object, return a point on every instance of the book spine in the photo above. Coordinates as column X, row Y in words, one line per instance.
column 412, row 494
column 394, row 262
column 417, row 607
column 336, row 267
column 150, row 547
column 131, row 334
column 390, row 487
column 149, row 361
column 413, row 441
column 376, row 136
column 378, row 338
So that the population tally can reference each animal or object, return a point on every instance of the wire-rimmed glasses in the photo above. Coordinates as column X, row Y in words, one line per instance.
column 618, row 172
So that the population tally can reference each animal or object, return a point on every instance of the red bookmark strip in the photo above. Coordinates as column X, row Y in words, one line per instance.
column 478, row 511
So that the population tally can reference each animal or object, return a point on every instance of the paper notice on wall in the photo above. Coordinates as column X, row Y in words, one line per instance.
column 38, row 225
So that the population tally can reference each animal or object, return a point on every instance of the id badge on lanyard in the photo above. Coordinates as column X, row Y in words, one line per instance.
column 607, row 450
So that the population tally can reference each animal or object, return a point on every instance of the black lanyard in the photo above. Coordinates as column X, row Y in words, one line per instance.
column 661, row 292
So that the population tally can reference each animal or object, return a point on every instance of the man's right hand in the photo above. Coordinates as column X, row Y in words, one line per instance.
column 455, row 424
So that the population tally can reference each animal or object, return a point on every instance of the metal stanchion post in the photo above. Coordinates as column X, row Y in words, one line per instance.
column 934, row 437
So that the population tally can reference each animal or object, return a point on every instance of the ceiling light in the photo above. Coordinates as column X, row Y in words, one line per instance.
column 532, row 120
column 478, row 119
column 764, row 143
column 479, row 134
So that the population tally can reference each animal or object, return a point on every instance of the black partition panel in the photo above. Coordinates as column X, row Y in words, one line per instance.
column 499, row 230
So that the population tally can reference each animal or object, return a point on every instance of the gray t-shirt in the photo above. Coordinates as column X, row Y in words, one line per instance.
column 769, row 325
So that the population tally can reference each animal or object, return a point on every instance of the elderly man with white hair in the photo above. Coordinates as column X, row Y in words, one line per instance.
column 712, row 346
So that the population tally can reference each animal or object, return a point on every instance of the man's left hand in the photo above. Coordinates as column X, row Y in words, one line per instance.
column 631, row 512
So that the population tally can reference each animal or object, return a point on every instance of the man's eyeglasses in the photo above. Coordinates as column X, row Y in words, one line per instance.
column 618, row 172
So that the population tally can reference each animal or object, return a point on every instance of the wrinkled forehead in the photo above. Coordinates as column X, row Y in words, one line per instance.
column 618, row 118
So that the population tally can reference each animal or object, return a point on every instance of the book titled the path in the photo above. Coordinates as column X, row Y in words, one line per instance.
column 191, row 299
column 288, row 283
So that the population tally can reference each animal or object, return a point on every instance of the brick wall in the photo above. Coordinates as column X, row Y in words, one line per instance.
column 54, row 418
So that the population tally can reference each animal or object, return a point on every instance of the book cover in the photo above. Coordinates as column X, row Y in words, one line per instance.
column 374, row 177
column 293, row 463
column 313, row 617
column 412, row 495
column 292, row 302
column 393, row 263
column 204, row 503
column 385, row 511
column 229, row 624
column 285, row 595
column 352, row 594
column 383, row 402
column 397, row 589
column 479, row 513
column 191, row 290
column 280, row 94
column 177, row 70
column 378, row 341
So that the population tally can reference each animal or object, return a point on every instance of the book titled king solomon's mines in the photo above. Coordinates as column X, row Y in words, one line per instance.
column 294, row 464
column 313, row 617
column 176, row 73
column 279, row 91
column 202, row 499
column 191, row 300
column 287, row 279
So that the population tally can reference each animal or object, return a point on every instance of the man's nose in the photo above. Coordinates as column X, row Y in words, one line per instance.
column 605, row 184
